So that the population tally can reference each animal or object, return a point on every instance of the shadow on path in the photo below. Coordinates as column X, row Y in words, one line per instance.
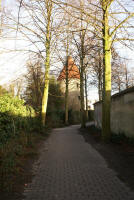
column 71, row 169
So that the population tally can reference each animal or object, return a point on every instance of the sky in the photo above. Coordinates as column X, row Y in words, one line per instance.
column 12, row 65
column 9, row 3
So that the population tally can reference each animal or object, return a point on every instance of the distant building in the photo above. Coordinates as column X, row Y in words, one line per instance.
column 74, row 84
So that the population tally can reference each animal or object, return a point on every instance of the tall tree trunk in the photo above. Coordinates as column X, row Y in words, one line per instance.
column 82, row 94
column 126, row 74
column 86, row 97
column 100, row 82
column 106, row 132
column 47, row 62
column 119, row 85
column 99, row 87
column 66, row 93
column 99, row 91
column 67, row 80
column 82, row 55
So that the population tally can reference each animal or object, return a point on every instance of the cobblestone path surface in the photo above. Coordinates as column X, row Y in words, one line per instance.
column 70, row 169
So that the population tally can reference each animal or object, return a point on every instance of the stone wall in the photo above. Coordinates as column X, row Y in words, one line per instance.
column 122, row 113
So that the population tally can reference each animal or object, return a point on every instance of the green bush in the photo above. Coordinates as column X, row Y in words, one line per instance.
column 14, row 117
column 15, row 106
column 17, row 124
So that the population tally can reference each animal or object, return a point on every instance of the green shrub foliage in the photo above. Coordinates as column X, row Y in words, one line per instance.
column 19, row 129
column 14, row 117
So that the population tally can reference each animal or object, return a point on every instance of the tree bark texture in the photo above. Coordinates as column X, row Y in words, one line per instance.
column 47, row 61
column 86, row 97
column 66, row 94
column 82, row 94
column 106, row 131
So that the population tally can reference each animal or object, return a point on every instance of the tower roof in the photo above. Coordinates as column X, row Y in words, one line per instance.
column 73, row 71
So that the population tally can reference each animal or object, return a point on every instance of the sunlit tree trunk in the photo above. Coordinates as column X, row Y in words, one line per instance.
column 106, row 132
column 47, row 62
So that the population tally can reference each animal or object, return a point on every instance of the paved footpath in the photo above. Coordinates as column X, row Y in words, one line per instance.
column 70, row 169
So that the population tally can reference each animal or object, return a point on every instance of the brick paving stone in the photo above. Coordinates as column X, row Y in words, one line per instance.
column 70, row 169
